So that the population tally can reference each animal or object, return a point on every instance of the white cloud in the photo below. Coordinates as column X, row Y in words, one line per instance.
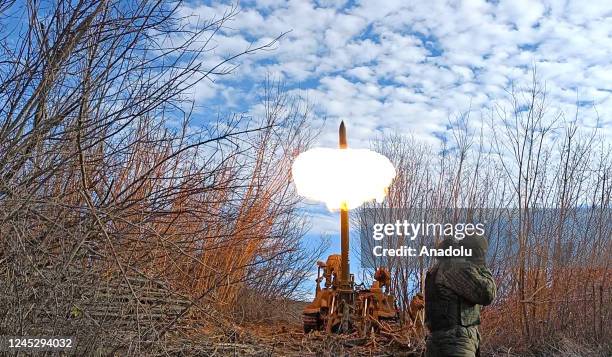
column 404, row 67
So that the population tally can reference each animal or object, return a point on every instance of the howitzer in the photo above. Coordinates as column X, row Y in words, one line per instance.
column 341, row 305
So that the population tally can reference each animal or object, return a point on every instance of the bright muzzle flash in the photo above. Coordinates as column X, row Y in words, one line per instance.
column 342, row 178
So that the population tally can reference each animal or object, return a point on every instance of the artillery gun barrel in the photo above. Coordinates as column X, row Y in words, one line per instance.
column 344, row 225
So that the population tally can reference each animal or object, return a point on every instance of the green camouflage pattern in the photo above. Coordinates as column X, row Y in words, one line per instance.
column 478, row 245
column 456, row 342
column 455, row 290
column 472, row 282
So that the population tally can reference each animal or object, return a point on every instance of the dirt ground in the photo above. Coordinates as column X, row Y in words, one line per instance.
column 288, row 339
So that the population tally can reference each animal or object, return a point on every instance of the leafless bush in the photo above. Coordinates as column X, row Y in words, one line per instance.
column 552, row 269
column 120, row 218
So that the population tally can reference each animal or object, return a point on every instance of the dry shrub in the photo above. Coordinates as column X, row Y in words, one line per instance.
column 575, row 312
column 122, row 218
column 546, row 178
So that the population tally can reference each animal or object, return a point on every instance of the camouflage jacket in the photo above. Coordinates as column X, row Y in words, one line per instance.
column 454, row 292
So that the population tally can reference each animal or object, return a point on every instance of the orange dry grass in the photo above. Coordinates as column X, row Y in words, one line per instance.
column 575, row 303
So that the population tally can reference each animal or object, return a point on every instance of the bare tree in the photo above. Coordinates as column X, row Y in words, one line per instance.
column 120, row 218
column 542, row 183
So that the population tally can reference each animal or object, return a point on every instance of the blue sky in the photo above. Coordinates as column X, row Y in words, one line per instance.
column 407, row 66
column 388, row 66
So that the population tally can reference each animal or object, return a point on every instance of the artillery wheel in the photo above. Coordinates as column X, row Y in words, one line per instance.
column 312, row 322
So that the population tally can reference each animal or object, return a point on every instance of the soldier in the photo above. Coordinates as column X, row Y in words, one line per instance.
column 455, row 289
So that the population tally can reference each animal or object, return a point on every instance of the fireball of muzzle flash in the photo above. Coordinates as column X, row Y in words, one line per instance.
column 342, row 176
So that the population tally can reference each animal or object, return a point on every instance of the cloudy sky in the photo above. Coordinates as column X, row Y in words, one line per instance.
column 407, row 66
